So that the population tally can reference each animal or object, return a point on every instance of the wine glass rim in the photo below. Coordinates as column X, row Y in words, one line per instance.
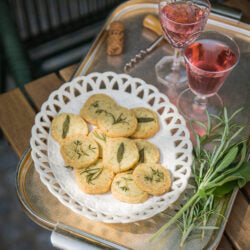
column 215, row 72
column 209, row 10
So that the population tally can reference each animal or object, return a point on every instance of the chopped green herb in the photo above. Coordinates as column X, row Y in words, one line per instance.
column 69, row 167
column 95, row 104
column 92, row 149
column 65, row 129
column 119, row 119
column 91, row 173
column 100, row 136
column 141, row 155
column 125, row 187
column 78, row 149
column 145, row 119
column 120, row 152
column 156, row 176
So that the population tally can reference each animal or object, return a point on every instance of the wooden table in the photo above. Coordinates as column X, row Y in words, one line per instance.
column 17, row 117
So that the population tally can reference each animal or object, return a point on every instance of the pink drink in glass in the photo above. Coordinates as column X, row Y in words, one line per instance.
column 182, row 21
column 208, row 64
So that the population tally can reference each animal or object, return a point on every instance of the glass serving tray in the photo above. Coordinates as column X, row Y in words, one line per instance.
column 43, row 208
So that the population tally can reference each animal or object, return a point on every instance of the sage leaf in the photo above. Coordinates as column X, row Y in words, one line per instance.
column 145, row 119
column 244, row 172
column 221, row 191
column 120, row 152
column 141, row 155
column 202, row 194
column 66, row 127
column 228, row 159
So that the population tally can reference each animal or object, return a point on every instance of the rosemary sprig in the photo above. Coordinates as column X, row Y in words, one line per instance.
column 117, row 120
column 100, row 136
column 216, row 173
column 156, row 176
column 91, row 173
column 125, row 186
column 92, row 149
column 79, row 151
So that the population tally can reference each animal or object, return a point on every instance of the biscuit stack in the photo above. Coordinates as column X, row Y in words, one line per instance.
column 115, row 154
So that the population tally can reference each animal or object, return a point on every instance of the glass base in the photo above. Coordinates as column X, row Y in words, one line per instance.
column 165, row 73
column 194, row 108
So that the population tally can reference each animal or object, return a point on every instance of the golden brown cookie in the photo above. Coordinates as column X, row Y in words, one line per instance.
column 148, row 152
column 120, row 154
column 95, row 179
column 117, row 122
column 148, row 123
column 65, row 125
column 124, row 189
column 94, row 106
column 152, row 178
column 79, row 151
column 100, row 138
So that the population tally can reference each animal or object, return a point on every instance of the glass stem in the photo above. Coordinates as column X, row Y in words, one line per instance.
column 201, row 102
column 176, row 61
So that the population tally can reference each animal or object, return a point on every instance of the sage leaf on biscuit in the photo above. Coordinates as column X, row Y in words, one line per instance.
column 66, row 127
column 141, row 155
column 120, row 152
column 145, row 119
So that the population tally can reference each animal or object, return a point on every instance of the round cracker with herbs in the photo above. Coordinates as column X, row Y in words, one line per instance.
column 124, row 189
column 66, row 125
column 79, row 151
column 95, row 179
column 94, row 106
column 148, row 123
column 152, row 178
column 117, row 122
column 148, row 152
column 120, row 154
column 100, row 138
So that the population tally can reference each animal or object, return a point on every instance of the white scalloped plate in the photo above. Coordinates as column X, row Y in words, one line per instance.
column 172, row 140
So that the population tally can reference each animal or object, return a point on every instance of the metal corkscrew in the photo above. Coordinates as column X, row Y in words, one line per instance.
column 152, row 23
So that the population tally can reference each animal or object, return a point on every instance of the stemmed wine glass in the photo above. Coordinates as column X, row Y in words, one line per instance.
column 209, row 61
column 181, row 22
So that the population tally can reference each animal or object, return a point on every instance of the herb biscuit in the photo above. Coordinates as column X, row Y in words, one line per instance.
column 100, row 138
column 91, row 108
column 152, row 178
column 148, row 152
column 79, row 151
column 66, row 125
column 95, row 179
column 120, row 154
column 124, row 189
column 117, row 122
column 148, row 123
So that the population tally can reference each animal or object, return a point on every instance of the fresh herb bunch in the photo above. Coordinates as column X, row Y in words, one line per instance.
column 216, row 173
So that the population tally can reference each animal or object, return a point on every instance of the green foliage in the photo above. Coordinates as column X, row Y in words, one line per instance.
column 216, row 173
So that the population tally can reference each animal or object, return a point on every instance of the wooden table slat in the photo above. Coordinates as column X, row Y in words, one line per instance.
column 238, row 226
column 246, row 191
column 16, row 120
column 67, row 72
column 225, row 244
column 40, row 89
